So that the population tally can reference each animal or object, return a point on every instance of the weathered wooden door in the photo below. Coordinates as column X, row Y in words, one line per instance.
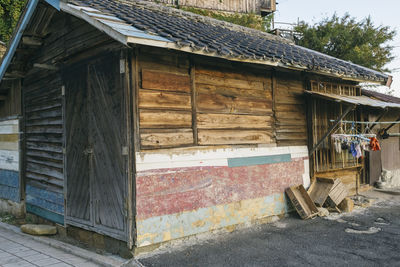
column 96, row 166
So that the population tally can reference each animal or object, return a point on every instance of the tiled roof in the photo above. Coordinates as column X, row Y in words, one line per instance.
column 214, row 37
column 380, row 96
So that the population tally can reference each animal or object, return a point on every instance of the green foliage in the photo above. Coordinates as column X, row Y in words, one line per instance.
column 360, row 42
column 10, row 11
column 247, row 20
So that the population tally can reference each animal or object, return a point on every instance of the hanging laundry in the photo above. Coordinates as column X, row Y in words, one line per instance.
column 353, row 150
column 338, row 146
column 374, row 144
column 358, row 150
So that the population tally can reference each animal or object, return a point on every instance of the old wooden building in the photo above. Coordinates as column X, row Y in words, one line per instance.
column 147, row 124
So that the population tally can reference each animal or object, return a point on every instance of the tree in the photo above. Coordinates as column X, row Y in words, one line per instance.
column 360, row 42
column 10, row 10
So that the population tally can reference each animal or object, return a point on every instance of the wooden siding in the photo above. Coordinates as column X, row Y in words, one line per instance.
column 290, row 110
column 188, row 104
column 241, row 6
column 43, row 159
column 9, row 160
column 64, row 40
column 164, row 103
column 11, row 106
column 233, row 107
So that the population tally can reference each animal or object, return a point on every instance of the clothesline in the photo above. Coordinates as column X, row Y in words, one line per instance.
column 354, row 135
column 369, row 122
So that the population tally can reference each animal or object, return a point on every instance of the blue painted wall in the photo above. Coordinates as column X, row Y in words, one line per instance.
column 44, row 203
column 9, row 185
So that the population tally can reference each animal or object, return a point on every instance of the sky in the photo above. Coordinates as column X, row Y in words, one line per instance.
column 383, row 12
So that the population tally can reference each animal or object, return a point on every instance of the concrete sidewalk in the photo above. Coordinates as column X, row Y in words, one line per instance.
column 366, row 237
column 19, row 249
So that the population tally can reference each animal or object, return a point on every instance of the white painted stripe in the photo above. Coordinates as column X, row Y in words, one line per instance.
column 9, row 127
column 208, row 156
column 9, row 122
column 9, row 160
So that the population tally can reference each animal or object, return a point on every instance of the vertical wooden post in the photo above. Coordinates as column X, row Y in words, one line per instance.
column 133, row 63
column 22, row 143
column 192, row 72
column 273, row 88
column 127, row 81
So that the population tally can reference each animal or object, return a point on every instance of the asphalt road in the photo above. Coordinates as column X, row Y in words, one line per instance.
column 366, row 237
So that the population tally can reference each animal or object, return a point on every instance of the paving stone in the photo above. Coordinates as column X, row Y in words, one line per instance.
column 24, row 254
column 36, row 257
column 46, row 262
column 61, row 264
column 39, row 229
column 8, row 260
column 21, row 263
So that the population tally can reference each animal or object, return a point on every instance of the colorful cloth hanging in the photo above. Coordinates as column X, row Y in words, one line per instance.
column 374, row 144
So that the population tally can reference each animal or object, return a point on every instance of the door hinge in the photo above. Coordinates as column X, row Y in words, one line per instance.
column 125, row 151
column 63, row 90
column 122, row 66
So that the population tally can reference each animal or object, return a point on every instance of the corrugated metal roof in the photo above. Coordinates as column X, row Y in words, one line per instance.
column 380, row 96
column 355, row 100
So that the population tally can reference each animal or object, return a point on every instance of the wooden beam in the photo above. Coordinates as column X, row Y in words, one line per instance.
column 15, row 74
column 391, row 125
column 35, row 41
column 379, row 118
column 45, row 66
column 330, row 130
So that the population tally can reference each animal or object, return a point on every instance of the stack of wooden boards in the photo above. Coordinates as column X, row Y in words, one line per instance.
column 324, row 192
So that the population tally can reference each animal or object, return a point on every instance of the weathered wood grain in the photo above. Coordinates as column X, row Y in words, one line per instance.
column 221, row 121
column 233, row 105
column 227, row 137
column 232, row 91
column 160, row 139
column 290, row 110
column 230, row 82
column 163, row 100
column 233, row 74
column 165, row 81
column 165, row 119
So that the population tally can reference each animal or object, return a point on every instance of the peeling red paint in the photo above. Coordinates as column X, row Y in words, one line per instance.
column 169, row 191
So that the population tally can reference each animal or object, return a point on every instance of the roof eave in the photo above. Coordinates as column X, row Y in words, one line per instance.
column 174, row 46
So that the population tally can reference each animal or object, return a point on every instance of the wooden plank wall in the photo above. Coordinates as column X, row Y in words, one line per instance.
column 9, row 160
column 66, row 41
column 290, row 109
column 188, row 104
column 164, row 100
column 241, row 6
column 233, row 106
column 11, row 106
column 44, row 141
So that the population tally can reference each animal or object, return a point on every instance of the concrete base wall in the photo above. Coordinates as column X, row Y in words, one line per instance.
column 11, row 207
column 185, row 193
